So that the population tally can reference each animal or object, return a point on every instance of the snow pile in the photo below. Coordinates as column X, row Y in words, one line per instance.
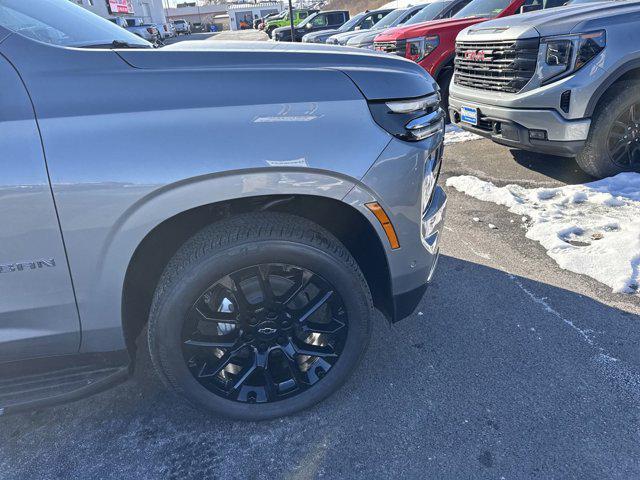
column 455, row 134
column 591, row 229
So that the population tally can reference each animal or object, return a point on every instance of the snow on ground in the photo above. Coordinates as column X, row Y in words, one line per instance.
column 455, row 134
column 591, row 229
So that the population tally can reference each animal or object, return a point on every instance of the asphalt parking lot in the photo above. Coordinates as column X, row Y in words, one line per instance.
column 512, row 369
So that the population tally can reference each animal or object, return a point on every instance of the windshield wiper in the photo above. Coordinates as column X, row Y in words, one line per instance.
column 116, row 44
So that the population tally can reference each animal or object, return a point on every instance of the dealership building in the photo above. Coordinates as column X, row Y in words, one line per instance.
column 150, row 11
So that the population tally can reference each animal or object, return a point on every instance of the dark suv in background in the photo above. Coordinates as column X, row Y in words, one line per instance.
column 318, row 21
column 361, row 21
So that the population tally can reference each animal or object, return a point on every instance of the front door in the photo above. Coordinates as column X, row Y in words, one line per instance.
column 38, row 314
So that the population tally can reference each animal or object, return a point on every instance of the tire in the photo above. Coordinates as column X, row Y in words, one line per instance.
column 595, row 158
column 444, row 81
column 220, row 253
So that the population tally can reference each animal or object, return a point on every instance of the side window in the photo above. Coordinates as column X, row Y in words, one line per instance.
column 366, row 23
column 336, row 19
column 457, row 8
column 417, row 10
column 554, row 3
column 319, row 21
column 531, row 6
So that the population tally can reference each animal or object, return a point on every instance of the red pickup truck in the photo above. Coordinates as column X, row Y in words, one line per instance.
column 433, row 44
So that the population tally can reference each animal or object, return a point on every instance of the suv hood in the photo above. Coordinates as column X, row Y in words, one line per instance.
column 555, row 21
column 378, row 76
column 366, row 37
column 426, row 28
column 344, row 36
column 322, row 33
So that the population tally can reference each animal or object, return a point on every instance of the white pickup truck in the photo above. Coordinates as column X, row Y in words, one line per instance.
column 137, row 26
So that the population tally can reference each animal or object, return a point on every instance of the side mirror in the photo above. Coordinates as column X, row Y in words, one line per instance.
column 358, row 28
column 530, row 8
column 308, row 26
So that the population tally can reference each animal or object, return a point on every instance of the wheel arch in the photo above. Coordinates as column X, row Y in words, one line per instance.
column 628, row 71
column 344, row 221
column 445, row 66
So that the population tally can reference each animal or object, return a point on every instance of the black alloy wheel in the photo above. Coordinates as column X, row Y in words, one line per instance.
column 264, row 333
column 623, row 141
column 613, row 142
column 258, row 316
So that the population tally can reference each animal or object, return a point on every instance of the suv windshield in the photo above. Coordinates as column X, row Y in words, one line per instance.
column 428, row 13
column 347, row 26
column 60, row 22
column 390, row 18
column 483, row 8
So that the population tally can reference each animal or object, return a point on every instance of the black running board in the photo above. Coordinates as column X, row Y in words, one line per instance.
column 38, row 383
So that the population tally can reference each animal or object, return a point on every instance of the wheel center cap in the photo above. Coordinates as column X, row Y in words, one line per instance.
column 267, row 330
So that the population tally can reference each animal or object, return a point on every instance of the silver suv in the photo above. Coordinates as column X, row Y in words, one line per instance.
column 563, row 81
column 243, row 207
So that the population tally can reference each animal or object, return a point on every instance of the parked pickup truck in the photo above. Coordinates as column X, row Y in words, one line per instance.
column 182, row 27
column 565, row 83
column 403, row 16
column 137, row 27
column 432, row 44
column 283, row 20
column 251, row 265
column 355, row 24
column 367, row 22
column 318, row 21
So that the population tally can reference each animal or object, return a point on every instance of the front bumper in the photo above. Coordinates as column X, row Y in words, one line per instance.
column 404, row 182
column 431, row 227
column 512, row 127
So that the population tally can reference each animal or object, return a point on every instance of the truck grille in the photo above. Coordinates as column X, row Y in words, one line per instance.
column 502, row 66
column 398, row 47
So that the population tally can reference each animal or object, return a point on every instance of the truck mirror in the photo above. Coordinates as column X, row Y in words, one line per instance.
column 530, row 8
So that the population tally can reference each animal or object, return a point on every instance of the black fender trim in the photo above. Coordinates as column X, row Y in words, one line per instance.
column 444, row 65
column 616, row 75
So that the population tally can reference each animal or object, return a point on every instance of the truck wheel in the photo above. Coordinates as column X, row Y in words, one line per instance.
column 613, row 144
column 259, row 316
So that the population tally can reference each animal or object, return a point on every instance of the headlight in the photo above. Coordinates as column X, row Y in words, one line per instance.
column 591, row 44
column 559, row 52
column 561, row 56
column 411, row 120
column 414, row 105
column 419, row 48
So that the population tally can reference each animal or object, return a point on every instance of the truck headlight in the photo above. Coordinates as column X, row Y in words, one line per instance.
column 590, row 45
column 558, row 52
column 562, row 56
column 418, row 49
column 411, row 120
